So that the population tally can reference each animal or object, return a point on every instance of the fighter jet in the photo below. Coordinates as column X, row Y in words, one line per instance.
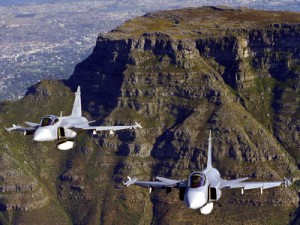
column 65, row 128
column 203, row 188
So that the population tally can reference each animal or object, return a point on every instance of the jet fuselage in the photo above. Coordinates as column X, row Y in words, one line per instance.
column 199, row 190
column 52, row 128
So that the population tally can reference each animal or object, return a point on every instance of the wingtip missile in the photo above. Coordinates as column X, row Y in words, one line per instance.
column 137, row 125
column 130, row 181
column 14, row 127
column 287, row 182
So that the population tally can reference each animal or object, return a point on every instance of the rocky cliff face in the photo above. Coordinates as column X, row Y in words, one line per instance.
column 180, row 73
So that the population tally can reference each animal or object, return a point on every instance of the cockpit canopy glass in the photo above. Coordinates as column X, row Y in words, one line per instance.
column 197, row 180
column 49, row 120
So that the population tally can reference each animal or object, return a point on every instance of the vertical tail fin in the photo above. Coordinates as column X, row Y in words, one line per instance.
column 76, row 111
column 209, row 156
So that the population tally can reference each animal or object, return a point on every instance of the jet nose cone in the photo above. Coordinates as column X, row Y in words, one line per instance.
column 195, row 200
column 42, row 134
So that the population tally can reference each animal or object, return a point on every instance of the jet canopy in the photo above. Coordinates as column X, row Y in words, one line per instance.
column 49, row 120
column 197, row 180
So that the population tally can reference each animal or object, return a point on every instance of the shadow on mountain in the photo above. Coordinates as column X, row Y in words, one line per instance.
column 164, row 148
column 101, row 77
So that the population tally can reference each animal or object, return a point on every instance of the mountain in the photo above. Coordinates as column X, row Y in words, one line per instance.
column 45, row 39
column 180, row 73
